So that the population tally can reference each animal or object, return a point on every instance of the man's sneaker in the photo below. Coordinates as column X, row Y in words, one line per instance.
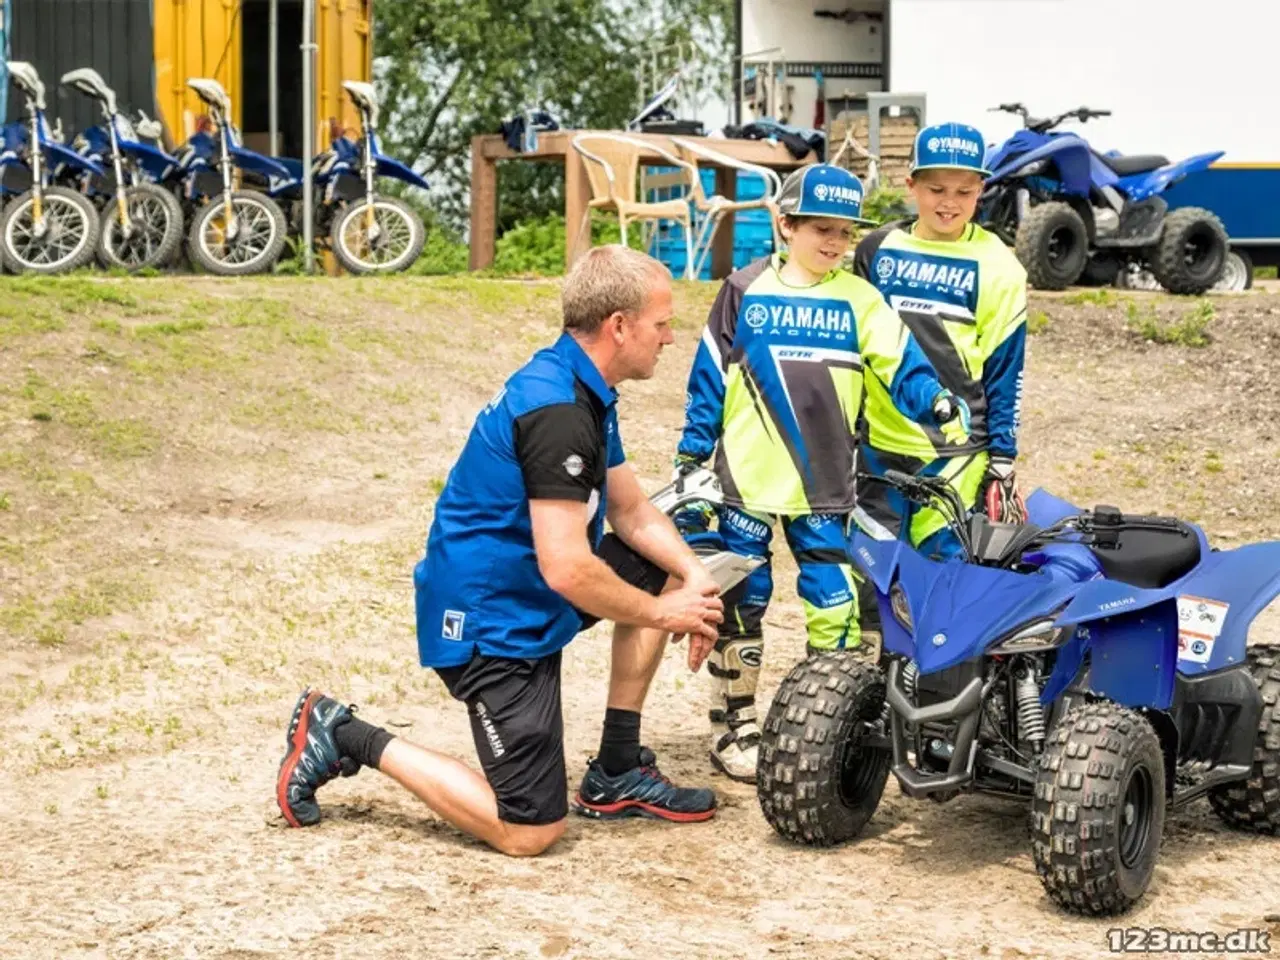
column 642, row 792
column 311, row 758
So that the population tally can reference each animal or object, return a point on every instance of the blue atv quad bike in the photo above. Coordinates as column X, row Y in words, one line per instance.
column 1074, row 214
column 1092, row 663
column 141, row 221
column 45, row 228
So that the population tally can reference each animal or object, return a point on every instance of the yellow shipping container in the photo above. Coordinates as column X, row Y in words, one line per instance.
column 228, row 41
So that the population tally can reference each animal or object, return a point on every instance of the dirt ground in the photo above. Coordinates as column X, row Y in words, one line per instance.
column 213, row 494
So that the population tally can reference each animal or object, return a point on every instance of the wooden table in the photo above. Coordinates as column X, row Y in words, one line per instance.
column 554, row 146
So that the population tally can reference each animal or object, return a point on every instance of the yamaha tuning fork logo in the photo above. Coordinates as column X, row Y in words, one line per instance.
column 884, row 269
column 756, row 316
column 823, row 192
column 954, row 144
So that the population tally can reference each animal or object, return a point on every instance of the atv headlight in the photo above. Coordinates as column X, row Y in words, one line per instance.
column 898, row 604
column 1038, row 636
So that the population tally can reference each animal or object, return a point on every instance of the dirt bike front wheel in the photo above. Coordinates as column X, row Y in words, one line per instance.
column 253, row 246
column 62, row 239
column 392, row 244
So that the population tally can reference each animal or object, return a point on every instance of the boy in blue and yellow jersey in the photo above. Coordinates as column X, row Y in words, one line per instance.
column 775, row 392
column 963, row 294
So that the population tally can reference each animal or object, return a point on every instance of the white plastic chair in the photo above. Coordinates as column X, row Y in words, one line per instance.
column 613, row 164
column 716, row 207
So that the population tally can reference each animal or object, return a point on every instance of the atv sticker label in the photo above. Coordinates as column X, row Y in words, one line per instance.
column 1199, row 625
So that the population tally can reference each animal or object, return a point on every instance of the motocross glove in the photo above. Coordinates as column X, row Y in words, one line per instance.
column 697, row 516
column 951, row 414
column 1003, row 502
column 685, row 464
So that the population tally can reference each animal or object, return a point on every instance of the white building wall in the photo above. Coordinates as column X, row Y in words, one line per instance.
column 791, row 25
column 1178, row 81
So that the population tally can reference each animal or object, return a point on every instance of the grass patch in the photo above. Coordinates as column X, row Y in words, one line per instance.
column 173, row 328
column 1191, row 329
column 1101, row 297
column 1038, row 322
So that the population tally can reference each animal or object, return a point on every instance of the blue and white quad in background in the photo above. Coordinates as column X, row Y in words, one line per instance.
column 1089, row 662
column 1075, row 214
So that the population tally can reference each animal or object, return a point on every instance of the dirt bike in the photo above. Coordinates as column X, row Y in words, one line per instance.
column 1090, row 663
column 141, row 221
column 46, row 228
column 233, row 232
column 368, row 232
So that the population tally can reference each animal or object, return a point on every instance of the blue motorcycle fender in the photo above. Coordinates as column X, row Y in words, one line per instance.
column 57, row 154
column 257, row 163
column 1146, row 185
column 387, row 167
column 155, row 162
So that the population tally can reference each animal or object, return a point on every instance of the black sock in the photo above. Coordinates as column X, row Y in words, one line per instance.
column 620, row 741
column 362, row 742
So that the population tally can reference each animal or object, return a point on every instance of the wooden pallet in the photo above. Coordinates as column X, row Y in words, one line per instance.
column 897, row 142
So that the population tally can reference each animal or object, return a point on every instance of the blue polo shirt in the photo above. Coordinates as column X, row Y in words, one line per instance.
column 550, row 433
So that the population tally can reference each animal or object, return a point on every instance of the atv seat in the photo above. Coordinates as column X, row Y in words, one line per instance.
column 1138, row 163
column 1151, row 556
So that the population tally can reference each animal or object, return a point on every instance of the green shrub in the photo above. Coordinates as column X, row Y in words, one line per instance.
column 1191, row 330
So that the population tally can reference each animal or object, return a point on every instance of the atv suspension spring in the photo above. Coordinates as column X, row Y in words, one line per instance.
column 1030, row 713
column 909, row 675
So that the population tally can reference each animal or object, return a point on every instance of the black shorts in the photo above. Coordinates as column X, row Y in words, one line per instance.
column 514, row 707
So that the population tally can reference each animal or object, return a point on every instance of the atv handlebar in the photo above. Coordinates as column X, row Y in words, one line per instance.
column 1045, row 124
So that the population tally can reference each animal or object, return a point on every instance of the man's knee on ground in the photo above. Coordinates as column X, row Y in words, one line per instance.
column 529, row 840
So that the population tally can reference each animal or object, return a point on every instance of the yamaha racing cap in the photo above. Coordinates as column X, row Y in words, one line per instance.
column 822, row 190
column 950, row 146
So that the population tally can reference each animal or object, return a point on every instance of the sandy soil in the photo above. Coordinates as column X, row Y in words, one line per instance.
column 212, row 494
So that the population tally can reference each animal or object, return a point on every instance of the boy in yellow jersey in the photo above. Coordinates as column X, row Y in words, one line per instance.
column 775, row 391
column 963, row 294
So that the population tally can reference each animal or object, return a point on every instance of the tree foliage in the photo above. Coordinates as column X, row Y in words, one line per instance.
column 450, row 69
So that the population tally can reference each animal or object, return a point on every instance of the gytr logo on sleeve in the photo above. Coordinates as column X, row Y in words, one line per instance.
column 811, row 319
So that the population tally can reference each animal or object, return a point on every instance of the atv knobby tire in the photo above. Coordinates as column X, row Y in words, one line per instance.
column 1254, row 804
column 1192, row 251
column 815, row 784
column 1098, row 813
column 1053, row 246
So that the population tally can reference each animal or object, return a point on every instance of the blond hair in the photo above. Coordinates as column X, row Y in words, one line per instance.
column 604, row 281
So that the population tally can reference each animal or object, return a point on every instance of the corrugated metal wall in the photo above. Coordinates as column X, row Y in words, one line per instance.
column 112, row 36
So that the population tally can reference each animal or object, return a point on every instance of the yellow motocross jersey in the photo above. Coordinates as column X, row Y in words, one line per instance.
column 966, row 303
column 777, row 385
